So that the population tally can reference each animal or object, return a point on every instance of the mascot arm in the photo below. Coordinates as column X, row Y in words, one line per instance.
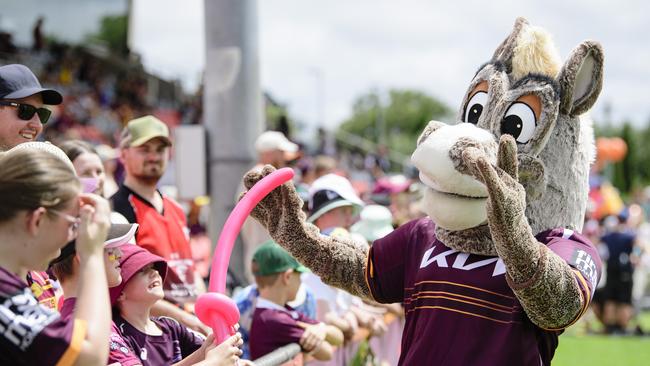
column 546, row 286
column 555, row 296
column 338, row 261
column 544, row 283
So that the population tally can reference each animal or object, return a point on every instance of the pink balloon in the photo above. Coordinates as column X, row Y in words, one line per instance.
column 214, row 308
column 219, row 312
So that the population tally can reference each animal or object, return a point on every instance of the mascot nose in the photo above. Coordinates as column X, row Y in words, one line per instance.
column 439, row 157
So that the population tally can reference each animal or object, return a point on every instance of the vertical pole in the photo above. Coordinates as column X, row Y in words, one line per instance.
column 232, row 106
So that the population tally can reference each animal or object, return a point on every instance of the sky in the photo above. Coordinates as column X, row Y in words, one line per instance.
column 317, row 56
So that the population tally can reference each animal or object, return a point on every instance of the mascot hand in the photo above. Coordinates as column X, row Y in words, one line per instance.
column 281, row 209
column 506, row 204
column 506, row 208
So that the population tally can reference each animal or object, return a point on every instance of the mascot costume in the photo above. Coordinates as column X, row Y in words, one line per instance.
column 498, row 268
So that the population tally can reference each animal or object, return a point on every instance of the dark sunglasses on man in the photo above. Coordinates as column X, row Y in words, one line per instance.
column 27, row 111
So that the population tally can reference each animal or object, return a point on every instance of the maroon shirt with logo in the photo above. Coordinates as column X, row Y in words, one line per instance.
column 459, row 308
column 175, row 343
column 119, row 351
column 31, row 333
column 274, row 326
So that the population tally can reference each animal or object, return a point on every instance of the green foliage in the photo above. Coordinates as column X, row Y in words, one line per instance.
column 642, row 148
column 113, row 32
column 364, row 356
column 632, row 172
column 625, row 176
column 396, row 122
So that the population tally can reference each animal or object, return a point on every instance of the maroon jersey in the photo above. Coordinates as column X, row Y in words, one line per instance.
column 274, row 326
column 175, row 343
column 119, row 351
column 31, row 333
column 459, row 308
column 67, row 307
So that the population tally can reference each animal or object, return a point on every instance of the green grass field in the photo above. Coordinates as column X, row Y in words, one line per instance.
column 576, row 348
column 602, row 350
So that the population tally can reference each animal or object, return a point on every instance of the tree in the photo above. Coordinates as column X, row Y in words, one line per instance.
column 643, row 154
column 396, row 123
column 113, row 31
column 625, row 171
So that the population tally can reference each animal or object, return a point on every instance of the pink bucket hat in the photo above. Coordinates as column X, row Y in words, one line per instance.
column 134, row 258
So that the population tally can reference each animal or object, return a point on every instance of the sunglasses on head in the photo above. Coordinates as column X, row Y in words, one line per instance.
column 27, row 111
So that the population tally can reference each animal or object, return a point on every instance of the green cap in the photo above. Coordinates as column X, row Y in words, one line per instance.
column 140, row 130
column 272, row 258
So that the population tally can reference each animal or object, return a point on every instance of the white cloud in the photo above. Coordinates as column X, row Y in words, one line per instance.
column 433, row 46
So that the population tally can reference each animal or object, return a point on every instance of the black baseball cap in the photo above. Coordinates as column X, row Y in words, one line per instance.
column 18, row 81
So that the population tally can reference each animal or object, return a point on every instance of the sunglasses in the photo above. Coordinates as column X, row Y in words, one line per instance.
column 27, row 111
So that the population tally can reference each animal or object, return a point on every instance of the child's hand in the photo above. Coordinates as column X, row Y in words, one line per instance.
column 313, row 336
column 352, row 320
column 94, row 223
column 378, row 327
column 207, row 345
column 225, row 354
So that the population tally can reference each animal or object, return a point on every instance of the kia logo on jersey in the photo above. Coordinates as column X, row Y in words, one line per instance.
column 460, row 262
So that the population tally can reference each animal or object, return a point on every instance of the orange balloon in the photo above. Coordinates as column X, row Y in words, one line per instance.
column 610, row 149
column 618, row 149
column 603, row 148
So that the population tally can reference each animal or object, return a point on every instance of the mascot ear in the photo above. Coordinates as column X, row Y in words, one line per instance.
column 581, row 78
column 505, row 50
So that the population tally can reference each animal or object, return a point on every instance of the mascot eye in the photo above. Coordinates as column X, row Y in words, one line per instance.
column 474, row 107
column 519, row 122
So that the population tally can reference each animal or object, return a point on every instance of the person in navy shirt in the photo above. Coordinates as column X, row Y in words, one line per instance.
column 621, row 242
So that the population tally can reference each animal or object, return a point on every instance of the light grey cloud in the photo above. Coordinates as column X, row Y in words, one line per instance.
column 328, row 52
column 437, row 48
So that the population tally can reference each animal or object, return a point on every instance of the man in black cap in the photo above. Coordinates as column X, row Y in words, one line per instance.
column 22, row 100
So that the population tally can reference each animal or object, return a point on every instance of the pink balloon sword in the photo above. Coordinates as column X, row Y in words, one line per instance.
column 214, row 308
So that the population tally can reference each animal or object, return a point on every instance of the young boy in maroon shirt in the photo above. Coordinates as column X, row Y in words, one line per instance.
column 275, row 324
column 159, row 340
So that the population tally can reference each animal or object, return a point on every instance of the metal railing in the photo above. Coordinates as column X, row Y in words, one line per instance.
column 370, row 147
column 279, row 356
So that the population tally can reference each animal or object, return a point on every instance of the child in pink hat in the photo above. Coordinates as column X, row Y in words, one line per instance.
column 160, row 340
